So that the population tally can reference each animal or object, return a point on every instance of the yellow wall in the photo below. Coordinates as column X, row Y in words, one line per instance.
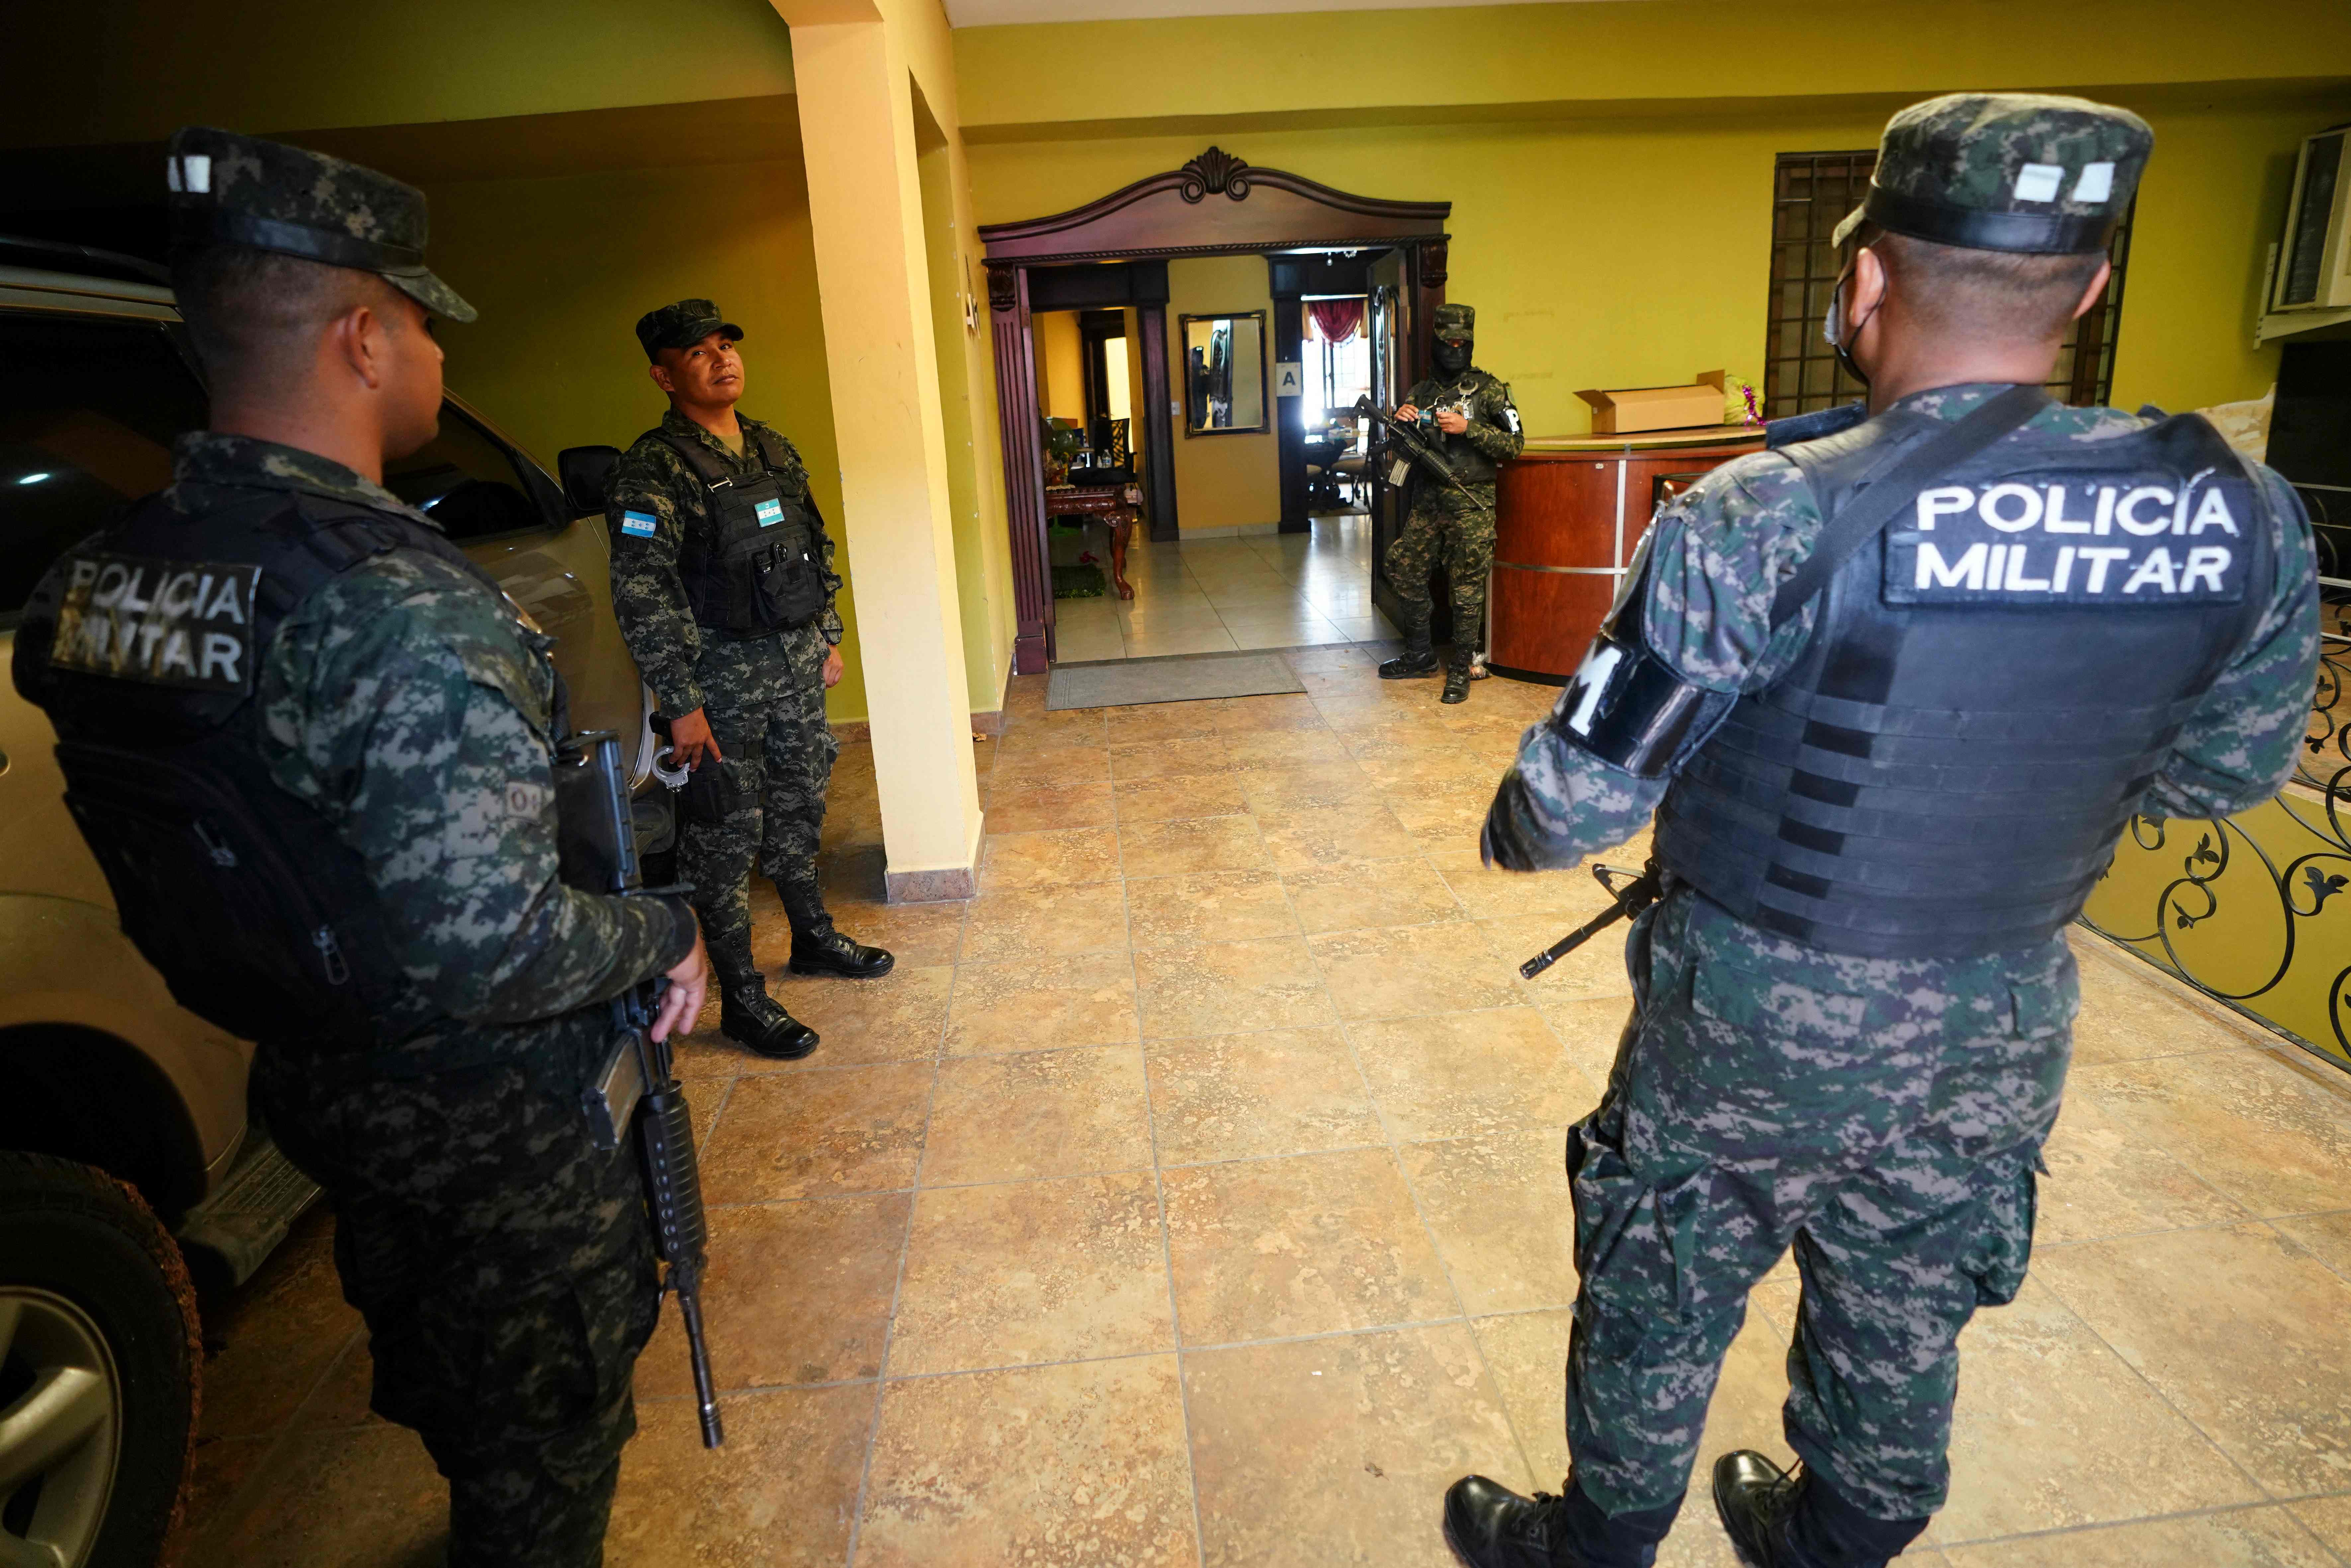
column 554, row 359
column 1221, row 481
column 1060, row 367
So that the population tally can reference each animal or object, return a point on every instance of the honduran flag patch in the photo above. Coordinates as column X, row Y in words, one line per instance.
column 639, row 524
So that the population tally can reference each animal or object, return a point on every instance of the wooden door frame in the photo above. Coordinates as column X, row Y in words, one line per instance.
column 1165, row 215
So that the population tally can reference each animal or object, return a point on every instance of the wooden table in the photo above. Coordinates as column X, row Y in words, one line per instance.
column 1569, row 513
column 1120, row 506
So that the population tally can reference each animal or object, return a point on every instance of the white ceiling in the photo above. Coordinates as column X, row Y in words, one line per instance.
column 997, row 12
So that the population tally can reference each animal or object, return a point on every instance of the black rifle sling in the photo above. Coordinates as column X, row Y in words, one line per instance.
column 1869, row 510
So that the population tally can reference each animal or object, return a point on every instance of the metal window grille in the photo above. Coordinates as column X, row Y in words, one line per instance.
column 1810, row 194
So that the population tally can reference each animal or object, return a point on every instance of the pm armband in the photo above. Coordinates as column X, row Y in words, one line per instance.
column 1625, row 705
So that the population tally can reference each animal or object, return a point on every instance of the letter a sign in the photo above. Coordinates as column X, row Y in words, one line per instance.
column 1287, row 381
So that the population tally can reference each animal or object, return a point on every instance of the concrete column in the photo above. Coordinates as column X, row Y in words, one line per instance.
column 865, row 210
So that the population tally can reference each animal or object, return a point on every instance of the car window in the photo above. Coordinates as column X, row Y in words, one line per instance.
column 468, row 484
column 88, row 411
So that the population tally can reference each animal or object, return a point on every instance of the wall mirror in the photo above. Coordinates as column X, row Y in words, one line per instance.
column 1224, row 373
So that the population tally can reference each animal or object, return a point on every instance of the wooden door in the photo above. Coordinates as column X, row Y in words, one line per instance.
column 1388, row 321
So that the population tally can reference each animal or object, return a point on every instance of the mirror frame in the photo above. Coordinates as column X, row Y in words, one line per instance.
column 1183, row 364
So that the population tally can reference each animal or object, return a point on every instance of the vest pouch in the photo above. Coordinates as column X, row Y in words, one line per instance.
column 790, row 582
column 204, row 890
column 716, row 792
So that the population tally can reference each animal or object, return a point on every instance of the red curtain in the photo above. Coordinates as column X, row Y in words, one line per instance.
column 1335, row 321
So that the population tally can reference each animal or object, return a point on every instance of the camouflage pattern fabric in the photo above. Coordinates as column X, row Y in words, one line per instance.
column 1453, row 527
column 765, row 701
column 246, row 191
column 1883, row 1117
column 681, row 325
column 1716, row 556
column 504, row 1267
column 2031, row 154
column 1493, row 437
column 648, row 597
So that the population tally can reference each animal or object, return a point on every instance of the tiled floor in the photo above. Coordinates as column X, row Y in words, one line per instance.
column 1255, row 590
column 1193, row 1197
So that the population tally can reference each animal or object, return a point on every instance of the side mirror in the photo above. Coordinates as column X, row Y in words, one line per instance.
column 587, row 475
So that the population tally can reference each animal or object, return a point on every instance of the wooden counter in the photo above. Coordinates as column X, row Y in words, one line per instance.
column 1569, row 513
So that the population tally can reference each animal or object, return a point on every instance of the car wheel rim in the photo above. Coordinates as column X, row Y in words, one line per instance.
column 60, row 1429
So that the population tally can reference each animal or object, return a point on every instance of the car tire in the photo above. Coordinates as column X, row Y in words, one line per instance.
column 97, row 1309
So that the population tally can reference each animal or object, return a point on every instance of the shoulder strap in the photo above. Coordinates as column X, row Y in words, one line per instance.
column 770, row 449
column 1870, row 510
column 705, row 467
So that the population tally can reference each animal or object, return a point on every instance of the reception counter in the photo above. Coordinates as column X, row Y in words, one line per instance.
column 1568, row 514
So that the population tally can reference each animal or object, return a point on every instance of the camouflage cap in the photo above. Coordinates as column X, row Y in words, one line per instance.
column 683, row 325
column 1459, row 318
column 2006, row 171
column 240, row 190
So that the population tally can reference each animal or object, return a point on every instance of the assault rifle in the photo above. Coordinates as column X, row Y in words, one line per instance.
column 597, row 835
column 1633, row 897
column 1420, row 448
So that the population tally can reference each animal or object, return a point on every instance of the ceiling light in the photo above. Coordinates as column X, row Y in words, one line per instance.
column 33, row 478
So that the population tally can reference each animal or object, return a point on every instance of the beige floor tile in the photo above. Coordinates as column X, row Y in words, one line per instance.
column 1168, row 797
column 1370, row 894
column 1300, row 1244
column 1504, row 1222
column 1045, row 923
column 1208, row 906
column 1192, row 640
column 1470, row 1074
column 2245, row 1538
column 797, row 1292
column 919, row 936
column 1489, row 894
column 2329, row 1518
column 1043, row 807
column 1422, row 769
column 1163, row 721
column 1037, row 1113
column 1074, row 729
column 2325, row 1237
column 2128, row 1012
column 1594, row 970
column 782, row 1493
column 1087, row 999
column 1339, row 1450
column 2238, row 1329
column 1230, row 988
column 2106, row 1180
column 1588, row 1029
column 804, row 1135
column 1191, row 845
column 2054, row 1430
column 367, row 1497
column 1399, row 971
column 1283, row 751
column 896, row 1018
column 1180, row 756
column 1292, row 711
column 1309, row 788
column 1014, row 861
column 281, row 1334
column 1032, row 1272
column 1244, row 1096
column 1053, row 1467
column 1062, row 767
column 2246, row 1123
column 1342, row 835
column 1446, row 819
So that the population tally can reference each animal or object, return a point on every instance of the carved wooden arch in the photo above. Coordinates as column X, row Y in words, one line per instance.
column 1217, row 205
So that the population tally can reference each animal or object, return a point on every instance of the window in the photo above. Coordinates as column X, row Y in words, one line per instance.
column 88, row 411
column 1812, row 194
column 469, row 484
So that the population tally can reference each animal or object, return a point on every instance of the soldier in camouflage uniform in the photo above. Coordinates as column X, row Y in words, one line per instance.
column 315, row 661
column 740, row 679
column 1477, row 430
column 1854, row 998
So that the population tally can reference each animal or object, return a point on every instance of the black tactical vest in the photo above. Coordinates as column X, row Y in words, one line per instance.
column 1991, row 685
column 1459, row 394
column 760, row 568
column 143, row 644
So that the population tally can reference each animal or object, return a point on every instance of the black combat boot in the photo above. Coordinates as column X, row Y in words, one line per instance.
column 1778, row 1519
column 1417, row 658
column 754, row 1020
column 819, row 950
column 1490, row 1526
column 1457, row 676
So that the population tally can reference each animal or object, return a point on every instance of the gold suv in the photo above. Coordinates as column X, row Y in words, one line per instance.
column 132, row 1183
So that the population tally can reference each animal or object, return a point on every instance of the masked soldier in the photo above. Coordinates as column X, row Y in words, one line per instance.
column 1467, row 415
column 311, row 746
column 723, row 584
column 1894, row 693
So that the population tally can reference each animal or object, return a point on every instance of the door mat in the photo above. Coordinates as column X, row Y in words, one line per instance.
column 1083, row 581
column 1190, row 678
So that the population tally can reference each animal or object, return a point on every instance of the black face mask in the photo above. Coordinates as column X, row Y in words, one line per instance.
column 1453, row 357
column 1839, row 335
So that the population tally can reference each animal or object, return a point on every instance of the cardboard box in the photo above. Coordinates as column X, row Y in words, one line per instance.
column 1624, row 410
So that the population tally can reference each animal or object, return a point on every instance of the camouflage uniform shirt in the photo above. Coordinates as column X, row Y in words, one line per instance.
column 1493, row 437
column 1717, row 555
column 648, row 596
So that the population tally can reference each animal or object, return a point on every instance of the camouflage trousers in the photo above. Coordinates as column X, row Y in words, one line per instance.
column 1458, row 529
column 765, row 699
column 1883, row 1117
column 505, row 1270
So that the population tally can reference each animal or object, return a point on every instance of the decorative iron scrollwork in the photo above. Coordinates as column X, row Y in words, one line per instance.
column 1214, row 171
column 2301, row 875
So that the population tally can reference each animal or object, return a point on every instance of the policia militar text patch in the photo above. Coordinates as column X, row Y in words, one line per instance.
column 168, row 623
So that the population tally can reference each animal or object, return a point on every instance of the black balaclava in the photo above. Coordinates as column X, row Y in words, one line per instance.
column 1452, row 354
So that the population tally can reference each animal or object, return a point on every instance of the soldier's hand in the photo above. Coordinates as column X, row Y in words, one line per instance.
column 832, row 667
column 1451, row 422
column 689, row 981
column 691, row 744
column 1407, row 412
